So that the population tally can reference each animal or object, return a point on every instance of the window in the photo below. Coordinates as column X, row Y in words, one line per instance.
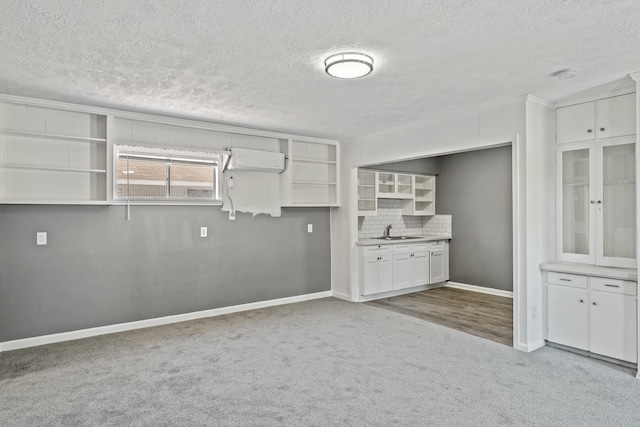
column 155, row 175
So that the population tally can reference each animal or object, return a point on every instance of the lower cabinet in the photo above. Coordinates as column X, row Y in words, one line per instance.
column 398, row 266
column 410, row 266
column 376, row 270
column 593, row 313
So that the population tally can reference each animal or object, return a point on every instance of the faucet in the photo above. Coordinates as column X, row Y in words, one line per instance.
column 387, row 233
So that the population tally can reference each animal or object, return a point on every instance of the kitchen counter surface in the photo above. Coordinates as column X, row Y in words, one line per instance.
column 371, row 242
column 591, row 270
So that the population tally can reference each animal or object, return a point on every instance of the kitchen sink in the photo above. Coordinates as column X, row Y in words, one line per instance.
column 398, row 238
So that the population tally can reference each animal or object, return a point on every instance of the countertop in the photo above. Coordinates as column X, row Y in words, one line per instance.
column 371, row 242
column 591, row 270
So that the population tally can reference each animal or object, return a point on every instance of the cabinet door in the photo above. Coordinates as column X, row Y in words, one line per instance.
column 419, row 269
column 568, row 316
column 613, row 327
column 576, row 201
column 367, row 193
column 401, row 271
column 436, row 266
column 575, row 123
column 386, row 184
column 616, row 116
column 616, row 203
column 370, row 276
column 385, row 273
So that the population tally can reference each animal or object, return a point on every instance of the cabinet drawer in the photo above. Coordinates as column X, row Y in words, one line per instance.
column 613, row 285
column 565, row 279
column 401, row 249
column 377, row 249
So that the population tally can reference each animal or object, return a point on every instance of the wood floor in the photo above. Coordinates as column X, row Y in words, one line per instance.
column 486, row 316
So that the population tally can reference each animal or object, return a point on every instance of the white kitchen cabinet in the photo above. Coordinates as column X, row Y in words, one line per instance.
column 612, row 325
column 438, row 261
column 394, row 185
column 605, row 118
column 592, row 313
column 410, row 266
column 568, row 316
column 50, row 155
column 423, row 202
column 367, row 201
column 376, row 270
column 596, row 202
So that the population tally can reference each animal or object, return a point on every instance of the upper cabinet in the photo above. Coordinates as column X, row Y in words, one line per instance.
column 50, row 155
column 605, row 118
column 597, row 188
column 312, row 177
column 417, row 192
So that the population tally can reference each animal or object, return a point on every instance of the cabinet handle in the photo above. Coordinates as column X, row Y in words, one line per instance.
column 601, row 129
column 582, row 301
column 611, row 286
column 599, row 202
column 594, row 303
column 566, row 280
column 589, row 130
column 593, row 202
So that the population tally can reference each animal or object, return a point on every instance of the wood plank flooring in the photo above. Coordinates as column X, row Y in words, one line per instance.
column 486, row 316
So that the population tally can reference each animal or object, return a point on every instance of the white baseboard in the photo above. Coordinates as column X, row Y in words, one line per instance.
column 480, row 289
column 158, row 321
column 528, row 348
column 342, row 296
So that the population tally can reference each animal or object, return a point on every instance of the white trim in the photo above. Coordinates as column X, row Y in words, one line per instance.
column 192, row 123
column 480, row 289
column 540, row 101
column 158, row 321
column 528, row 348
column 341, row 296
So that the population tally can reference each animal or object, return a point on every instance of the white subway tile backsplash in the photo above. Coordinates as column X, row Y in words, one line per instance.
column 390, row 212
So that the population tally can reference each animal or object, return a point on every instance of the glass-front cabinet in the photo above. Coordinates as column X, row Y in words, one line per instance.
column 596, row 201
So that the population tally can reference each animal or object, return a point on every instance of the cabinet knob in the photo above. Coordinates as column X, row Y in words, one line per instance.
column 594, row 303
column 601, row 129
column 589, row 130
column 593, row 202
column 599, row 202
column 582, row 301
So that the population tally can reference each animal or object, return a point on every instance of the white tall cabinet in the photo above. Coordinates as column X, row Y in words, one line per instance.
column 597, row 182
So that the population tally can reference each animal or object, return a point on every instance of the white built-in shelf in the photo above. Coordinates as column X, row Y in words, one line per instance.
column 51, row 136
column 52, row 168
column 53, row 202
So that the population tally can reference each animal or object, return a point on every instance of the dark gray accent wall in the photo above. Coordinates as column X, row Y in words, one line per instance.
column 98, row 269
column 428, row 166
column 475, row 188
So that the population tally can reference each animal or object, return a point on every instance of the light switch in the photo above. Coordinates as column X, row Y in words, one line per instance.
column 309, row 228
column 41, row 238
column 203, row 231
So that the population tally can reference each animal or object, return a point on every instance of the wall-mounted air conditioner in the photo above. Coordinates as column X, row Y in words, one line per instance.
column 256, row 160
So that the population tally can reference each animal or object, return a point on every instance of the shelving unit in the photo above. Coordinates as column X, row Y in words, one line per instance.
column 313, row 174
column 424, row 196
column 50, row 155
column 367, row 204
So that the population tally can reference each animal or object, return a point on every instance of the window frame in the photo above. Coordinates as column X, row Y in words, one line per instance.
column 168, row 156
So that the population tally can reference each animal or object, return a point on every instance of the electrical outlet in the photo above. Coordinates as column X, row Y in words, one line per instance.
column 309, row 228
column 203, row 231
column 232, row 215
column 41, row 238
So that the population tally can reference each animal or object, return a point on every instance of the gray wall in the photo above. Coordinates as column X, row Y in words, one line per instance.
column 429, row 166
column 475, row 188
column 99, row 269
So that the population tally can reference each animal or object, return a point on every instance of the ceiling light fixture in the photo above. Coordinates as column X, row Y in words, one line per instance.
column 348, row 65
column 567, row 73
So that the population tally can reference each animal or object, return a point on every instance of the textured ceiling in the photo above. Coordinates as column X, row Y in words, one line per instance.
column 259, row 63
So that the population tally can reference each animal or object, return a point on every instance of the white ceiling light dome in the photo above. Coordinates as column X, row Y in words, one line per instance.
column 348, row 65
